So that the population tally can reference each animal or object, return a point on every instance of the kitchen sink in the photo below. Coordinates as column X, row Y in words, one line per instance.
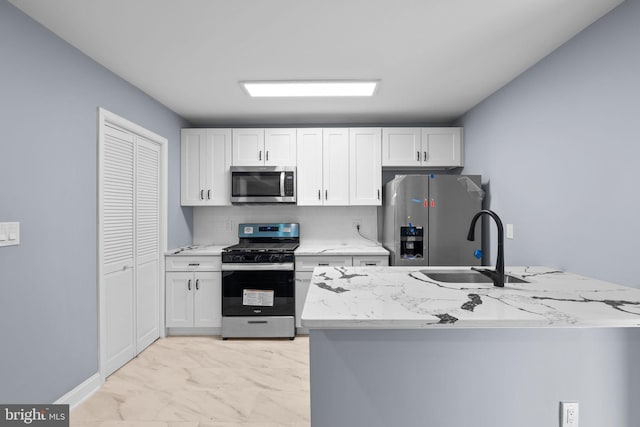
column 452, row 276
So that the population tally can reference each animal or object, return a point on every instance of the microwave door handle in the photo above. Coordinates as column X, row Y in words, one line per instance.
column 282, row 184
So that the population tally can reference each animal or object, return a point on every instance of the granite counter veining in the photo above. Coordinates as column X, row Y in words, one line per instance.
column 331, row 248
column 213, row 250
column 405, row 298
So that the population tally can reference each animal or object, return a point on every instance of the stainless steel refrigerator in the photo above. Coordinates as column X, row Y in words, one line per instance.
column 426, row 219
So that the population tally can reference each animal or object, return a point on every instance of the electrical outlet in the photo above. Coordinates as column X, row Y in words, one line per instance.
column 569, row 414
column 9, row 233
column 509, row 231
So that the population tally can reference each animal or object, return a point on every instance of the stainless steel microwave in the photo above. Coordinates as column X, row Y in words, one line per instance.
column 263, row 184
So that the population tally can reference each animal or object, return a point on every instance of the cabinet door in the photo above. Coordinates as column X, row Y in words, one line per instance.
column 401, row 147
column 192, row 167
column 248, row 147
column 179, row 299
column 335, row 170
column 147, row 242
column 118, row 261
column 365, row 180
column 217, row 154
column 303, row 278
column 208, row 299
column 280, row 147
column 309, row 169
column 442, row 147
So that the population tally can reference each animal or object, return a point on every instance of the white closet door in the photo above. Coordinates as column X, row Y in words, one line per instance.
column 117, row 292
column 147, row 242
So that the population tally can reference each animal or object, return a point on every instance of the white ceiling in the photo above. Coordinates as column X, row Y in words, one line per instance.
column 435, row 59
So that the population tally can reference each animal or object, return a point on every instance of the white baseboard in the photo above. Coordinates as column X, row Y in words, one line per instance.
column 190, row 331
column 82, row 392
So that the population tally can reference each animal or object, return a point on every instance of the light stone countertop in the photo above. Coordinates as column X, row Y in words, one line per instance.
column 336, row 248
column 212, row 250
column 312, row 248
column 405, row 298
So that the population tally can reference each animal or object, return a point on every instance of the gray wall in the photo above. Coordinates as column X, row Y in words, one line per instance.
column 474, row 377
column 559, row 148
column 49, row 96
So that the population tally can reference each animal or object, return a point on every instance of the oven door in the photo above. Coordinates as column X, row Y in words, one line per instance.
column 258, row 293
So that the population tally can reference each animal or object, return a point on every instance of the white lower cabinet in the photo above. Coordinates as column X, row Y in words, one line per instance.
column 304, row 270
column 193, row 297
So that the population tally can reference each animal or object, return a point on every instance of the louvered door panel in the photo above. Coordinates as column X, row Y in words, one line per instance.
column 147, row 199
column 147, row 242
column 117, row 293
column 118, row 194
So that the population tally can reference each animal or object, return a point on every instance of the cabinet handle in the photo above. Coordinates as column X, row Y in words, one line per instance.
column 326, row 194
column 319, row 197
column 195, row 264
column 378, row 194
column 257, row 322
column 322, row 264
column 209, row 194
column 417, row 155
column 189, row 284
column 260, row 155
column 201, row 194
column 197, row 284
column 267, row 155
column 424, row 158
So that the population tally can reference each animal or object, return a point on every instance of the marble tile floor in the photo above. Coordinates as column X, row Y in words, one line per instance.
column 205, row 382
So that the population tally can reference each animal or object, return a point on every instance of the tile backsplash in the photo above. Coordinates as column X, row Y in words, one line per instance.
column 219, row 224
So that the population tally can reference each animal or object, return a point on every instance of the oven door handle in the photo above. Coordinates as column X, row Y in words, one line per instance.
column 286, row 266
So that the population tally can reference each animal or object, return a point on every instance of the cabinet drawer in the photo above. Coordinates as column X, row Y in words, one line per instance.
column 308, row 263
column 192, row 263
column 361, row 261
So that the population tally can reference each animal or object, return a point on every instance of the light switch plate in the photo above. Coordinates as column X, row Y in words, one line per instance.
column 9, row 233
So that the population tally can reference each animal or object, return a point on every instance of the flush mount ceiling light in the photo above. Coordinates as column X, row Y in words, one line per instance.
column 311, row 88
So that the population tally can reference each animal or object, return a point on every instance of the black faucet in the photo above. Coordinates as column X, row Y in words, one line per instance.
column 496, row 275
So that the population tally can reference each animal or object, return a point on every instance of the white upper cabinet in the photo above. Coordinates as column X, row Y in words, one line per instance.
column 309, row 170
column 365, row 166
column 335, row 166
column 323, row 167
column 248, row 147
column 205, row 161
column 264, row 147
column 401, row 147
column 442, row 147
column 422, row 147
column 280, row 147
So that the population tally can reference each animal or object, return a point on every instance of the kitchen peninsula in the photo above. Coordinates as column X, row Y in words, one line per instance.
column 392, row 346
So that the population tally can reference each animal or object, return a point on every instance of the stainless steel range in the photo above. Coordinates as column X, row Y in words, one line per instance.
column 258, row 282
